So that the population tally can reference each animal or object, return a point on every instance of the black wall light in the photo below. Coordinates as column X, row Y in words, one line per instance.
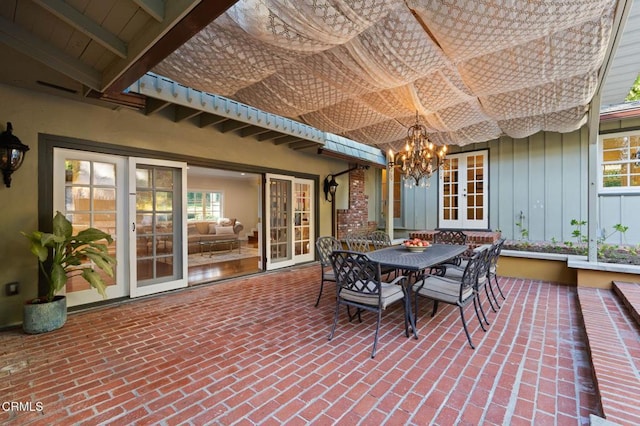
column 330, row 184
column 12, row 153
column 330, row 187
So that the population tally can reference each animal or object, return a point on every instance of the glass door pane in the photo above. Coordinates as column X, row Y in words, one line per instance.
column 89, row 190
column 463, row 192
column 279, row 220
column 449, row 210
column 289, row 220
column 303, row 229
column 158, row 226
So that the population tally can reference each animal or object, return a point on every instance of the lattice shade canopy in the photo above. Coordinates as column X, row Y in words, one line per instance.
column 473, row 69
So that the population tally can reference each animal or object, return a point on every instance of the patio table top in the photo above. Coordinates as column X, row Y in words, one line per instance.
column 400, row 257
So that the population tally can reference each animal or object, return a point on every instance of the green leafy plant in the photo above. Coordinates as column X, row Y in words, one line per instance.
column 608, row 252
column 524, row 232
column 62, row 254
column 634, row 92
column 577, row 232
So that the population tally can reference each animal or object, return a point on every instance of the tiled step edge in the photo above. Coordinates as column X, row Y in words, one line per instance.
column 613, row 341
column 629, row 293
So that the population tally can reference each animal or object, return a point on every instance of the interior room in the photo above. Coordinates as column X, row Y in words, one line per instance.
column 216, row 201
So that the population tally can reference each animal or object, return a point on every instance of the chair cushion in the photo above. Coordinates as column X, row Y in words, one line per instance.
column 390, row 293
column 328, row 274
column 442, row 289
column 454, row 272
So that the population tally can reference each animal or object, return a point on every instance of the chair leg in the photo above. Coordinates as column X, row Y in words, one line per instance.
column 495, row 277
column 484, row 315
column 409, row 321
column 319, row 294
column 375, row 338
column 357, row 314
column 435, row 308
column 335, row 320
column 486, row 290
column 488, row 284
column 476, row 302
column 464, row 325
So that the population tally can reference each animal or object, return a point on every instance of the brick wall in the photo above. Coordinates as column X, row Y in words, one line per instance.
column 355, row 218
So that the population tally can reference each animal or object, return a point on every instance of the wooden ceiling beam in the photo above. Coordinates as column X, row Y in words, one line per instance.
column 207, row 119
column 154, row 105
column 231, row 125
column 153, row 8
column 252, row 131
column 303, row 144
column 85, row 25
column 269, row 135
column 199, row 17
column 185, row 113
column 286, row 139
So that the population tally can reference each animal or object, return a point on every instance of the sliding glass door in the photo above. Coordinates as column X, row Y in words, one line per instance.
column 90, row 190
column 157, row 212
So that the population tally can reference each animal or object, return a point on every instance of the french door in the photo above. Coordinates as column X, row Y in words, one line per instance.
column 289, row 220
column 157, row 225
column 463, row 191
column 147, row 222
column 90, row 190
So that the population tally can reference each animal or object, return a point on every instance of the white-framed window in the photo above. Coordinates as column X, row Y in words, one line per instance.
column 204, row 205
column 620, row 162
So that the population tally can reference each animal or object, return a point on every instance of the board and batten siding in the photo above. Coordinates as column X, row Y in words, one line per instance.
column 544, row 176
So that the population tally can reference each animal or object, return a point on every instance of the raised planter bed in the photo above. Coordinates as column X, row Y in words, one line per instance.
column 570, row 269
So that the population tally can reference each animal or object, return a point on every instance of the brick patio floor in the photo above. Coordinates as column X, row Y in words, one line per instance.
column 255, row 351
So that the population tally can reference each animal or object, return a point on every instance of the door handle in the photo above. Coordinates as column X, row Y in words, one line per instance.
column 133, row 224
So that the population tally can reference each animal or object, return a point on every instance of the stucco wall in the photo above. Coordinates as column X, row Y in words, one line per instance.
column 32, row 113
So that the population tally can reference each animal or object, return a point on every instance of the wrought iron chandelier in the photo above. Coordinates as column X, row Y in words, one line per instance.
column 420, row 159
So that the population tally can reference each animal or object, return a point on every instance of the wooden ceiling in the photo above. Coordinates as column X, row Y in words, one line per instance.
column 89, row 48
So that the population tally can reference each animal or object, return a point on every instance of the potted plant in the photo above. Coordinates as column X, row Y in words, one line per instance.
column 62, row 255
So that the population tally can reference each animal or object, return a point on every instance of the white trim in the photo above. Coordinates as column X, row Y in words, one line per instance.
column 463, row 222
column 121, row 288
column 180, row 278
column 622, row 190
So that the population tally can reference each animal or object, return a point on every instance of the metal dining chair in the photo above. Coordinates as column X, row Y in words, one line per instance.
column 325, row 246
column 359, row 285
column 458, row 292
column 358, row 242
column 451, row 237
column 456, row 273
column 379, row 239
column 493, row 268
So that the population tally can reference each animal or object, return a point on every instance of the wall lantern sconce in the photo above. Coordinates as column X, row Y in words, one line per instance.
column 12, row 153
column 330, row 184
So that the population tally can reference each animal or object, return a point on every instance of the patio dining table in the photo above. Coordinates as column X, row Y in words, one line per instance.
column 399, row 257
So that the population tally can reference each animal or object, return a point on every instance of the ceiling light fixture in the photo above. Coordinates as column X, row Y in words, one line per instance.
column 420, row 159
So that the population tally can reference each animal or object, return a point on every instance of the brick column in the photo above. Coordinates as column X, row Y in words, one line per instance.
column 355, row 218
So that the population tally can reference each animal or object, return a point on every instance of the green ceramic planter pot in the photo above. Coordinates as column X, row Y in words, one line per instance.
column 44, row 317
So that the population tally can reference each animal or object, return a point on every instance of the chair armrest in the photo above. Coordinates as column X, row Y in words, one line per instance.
column 396, row 280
